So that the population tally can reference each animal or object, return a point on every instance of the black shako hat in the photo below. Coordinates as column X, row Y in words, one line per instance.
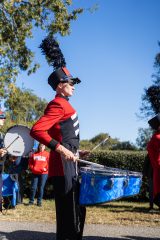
column 50, row 48
column 155, row 122
column 61, row 75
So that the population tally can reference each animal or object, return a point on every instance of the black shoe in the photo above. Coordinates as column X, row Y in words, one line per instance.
column 30, row 203
column 39, row 204
column 157, row 200
column 150, row 206
column 150, row 209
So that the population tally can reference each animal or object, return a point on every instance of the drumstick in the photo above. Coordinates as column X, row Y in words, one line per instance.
column 90, row 163
column 102, row 142
column 12, row 142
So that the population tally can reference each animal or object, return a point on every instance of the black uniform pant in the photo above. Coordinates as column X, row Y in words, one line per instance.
column 1, row 182
column 70, row 216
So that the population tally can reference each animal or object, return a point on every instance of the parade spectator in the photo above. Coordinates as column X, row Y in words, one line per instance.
column 38, row 164
column 17, row 167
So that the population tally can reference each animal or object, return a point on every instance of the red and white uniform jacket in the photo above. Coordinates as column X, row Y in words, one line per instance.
column 153, row 149
column 58, row 125
column 38, row 162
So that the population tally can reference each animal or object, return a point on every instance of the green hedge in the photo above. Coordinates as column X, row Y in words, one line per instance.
column 130, row 160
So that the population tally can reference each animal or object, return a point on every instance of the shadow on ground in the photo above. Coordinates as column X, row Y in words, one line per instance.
column 27, row 235
column 120, row 238
column 33, row 235
column 124, row 208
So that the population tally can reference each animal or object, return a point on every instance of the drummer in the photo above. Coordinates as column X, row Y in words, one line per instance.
column 2, row 153
column 153, row 148
column 58, row 129
column 2, row 120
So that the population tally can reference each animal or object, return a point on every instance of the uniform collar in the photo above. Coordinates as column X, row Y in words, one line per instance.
column 61, row 96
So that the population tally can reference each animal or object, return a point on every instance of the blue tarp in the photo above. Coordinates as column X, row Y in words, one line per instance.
column 9, row 187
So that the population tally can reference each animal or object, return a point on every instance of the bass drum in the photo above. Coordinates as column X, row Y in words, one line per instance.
column 18, row 141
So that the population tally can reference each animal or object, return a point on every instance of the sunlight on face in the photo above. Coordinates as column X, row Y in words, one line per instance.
column 67, row 89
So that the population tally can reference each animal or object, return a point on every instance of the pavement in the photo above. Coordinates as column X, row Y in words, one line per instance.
column 43, row 231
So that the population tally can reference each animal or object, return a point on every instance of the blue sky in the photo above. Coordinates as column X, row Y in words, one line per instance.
column 112, row 51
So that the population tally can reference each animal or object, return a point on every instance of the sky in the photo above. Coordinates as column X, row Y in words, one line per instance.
column 112, row 51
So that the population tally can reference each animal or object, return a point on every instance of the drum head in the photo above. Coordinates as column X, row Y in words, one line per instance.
column 103, row 171
column 18, row 140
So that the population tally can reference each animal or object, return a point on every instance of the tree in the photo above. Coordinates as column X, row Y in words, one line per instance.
column 23, row 107
column 126, row 145
column 151, row 101
column 150, row 104
column 110, row 144
column 18, row 18
column 151, row 97
column 86, row 145
column 93, row 142
column 100, row 138
column 144, row 134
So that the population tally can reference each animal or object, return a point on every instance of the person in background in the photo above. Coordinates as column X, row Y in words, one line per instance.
column 11, row 169
column 38, row 164
column 22, row 175
column 153, row 148
column 2, row 149
column 2, row 154
column 17, row 167
column 148, row 174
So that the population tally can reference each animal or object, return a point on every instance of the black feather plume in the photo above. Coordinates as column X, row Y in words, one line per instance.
column 50, row 48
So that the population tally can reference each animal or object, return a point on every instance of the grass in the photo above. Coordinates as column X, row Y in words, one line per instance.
column 118, row 212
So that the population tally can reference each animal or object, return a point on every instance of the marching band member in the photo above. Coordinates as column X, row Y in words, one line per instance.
column 2, row 150
column 153, row 149
column 2, row 154
column 58, row 129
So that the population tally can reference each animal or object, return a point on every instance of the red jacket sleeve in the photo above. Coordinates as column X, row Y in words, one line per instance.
column 153, row 149
column 52, row 115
